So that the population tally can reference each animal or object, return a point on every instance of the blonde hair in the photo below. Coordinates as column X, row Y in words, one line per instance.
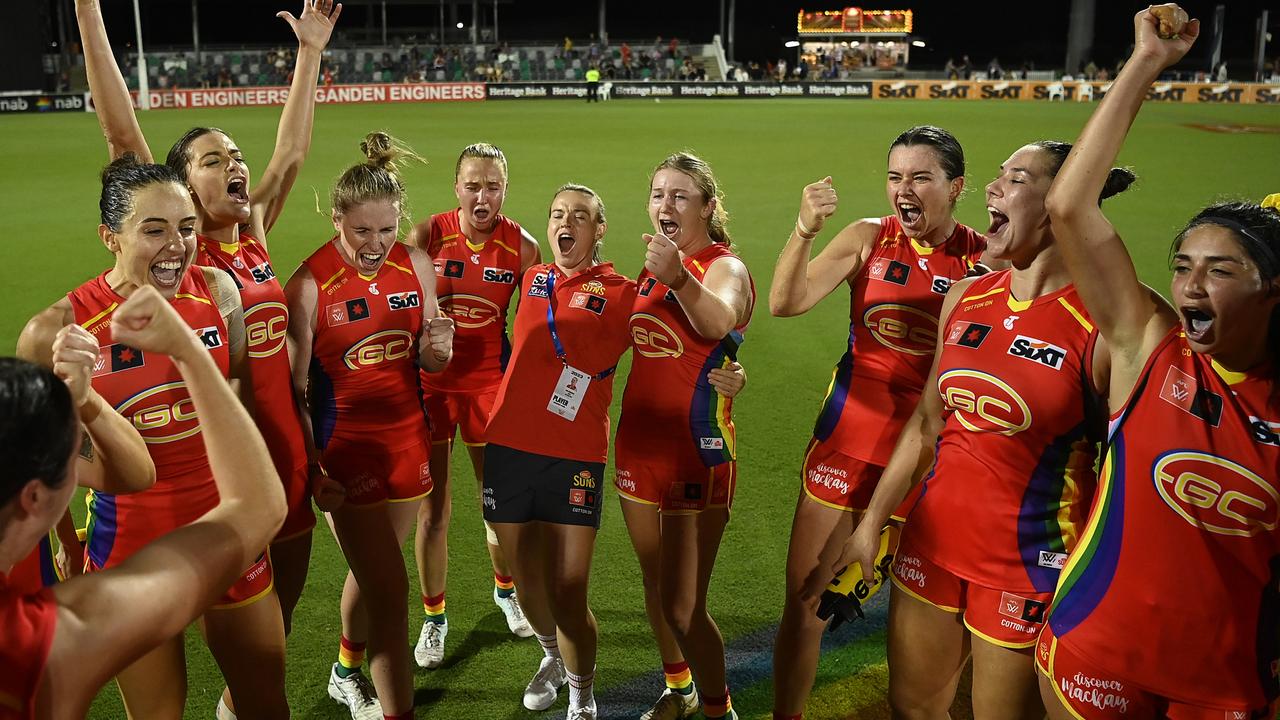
column 481, row 151
column 600, row 219
column 698, row 169
column 377, row 178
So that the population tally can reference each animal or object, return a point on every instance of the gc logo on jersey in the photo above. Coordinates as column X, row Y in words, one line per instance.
column 1216, row 494
column 162, row 414
column 404, row 300
column 210, row 337
column 266, row 325
column 498, row 275
column 378, row 348
column 1039, row 351
column 902, row 328
column 653, row 338
column 470, row 311
column 983, row 402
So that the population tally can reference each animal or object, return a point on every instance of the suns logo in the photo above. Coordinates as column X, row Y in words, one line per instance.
column 162, row 414
column 902, row 328
column 983, row 402
column 385, row 346
column 653, row 338
column 594, row 287
column 266, row 326
column 470, row 311
column 1216, row 494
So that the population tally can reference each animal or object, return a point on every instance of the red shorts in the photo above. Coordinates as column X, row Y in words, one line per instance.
column 252, row 585
column 1090, row 692
column 371, row 474
column 678, row 490
column 467, row 411
column 300, row 518
column 1007, row 619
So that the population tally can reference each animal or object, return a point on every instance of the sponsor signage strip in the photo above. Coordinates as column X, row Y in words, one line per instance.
column 43, row 102
column 329, row 95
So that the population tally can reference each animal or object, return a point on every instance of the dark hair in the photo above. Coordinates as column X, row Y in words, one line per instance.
column 37, row 427
column 377, row 178
column 1257, row 229
column 122, row 179
column 950, row 154
column 1118, row 180
column 180, row 154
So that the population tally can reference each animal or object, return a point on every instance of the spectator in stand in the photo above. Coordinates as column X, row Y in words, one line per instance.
column 994, row 71
column 568, row 45
column 780, row 70
column 626, row 54
column 1220, row 74
column 966, row 68
column 673, row 48
column 1090, row 71
column 224, row 77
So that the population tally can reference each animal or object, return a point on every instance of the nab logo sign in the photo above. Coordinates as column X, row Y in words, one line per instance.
column 1217, row 495
column 498, row 275
column 1046, row 354
column 984, row 403
column 902, row 328
column 266, row 325
column 210, row 337
column 378, row 348
column 404, row 300
column 263, row 273
column 653, row 338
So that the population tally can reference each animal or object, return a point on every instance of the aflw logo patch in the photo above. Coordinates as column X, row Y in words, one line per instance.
column 594, row 303
column 117, row 357
column 347, row 312
column 890, row 271
column 1182, row 390
column 1046, row 354
column 968, row 334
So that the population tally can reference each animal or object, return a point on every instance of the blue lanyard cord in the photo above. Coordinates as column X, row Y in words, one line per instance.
column 555, row 336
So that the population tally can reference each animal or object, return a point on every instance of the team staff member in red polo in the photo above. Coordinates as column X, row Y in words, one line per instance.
column 479, row 257
column 549, row 435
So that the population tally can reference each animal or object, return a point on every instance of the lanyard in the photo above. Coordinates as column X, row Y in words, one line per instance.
column 555, row 336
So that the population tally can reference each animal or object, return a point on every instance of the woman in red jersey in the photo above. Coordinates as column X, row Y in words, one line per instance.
column 676, row 443
column 363, row 319
column 479, row 257
column 148, row 223
column 232, row 228
column 62, row 644
column 1169, row 606
column 1009, row 440
column 897, row 269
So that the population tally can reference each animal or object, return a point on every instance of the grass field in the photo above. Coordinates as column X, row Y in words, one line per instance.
column 764, row 153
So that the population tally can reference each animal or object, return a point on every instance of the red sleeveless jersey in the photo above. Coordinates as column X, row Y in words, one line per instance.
column 266, row 321
column 667, row 389
column 1176, row 583
column 147, row 389
column 27, row 623
column 1014, row 470
column 894, row 302
column 36, row 570
column 591, row 312
column 475, row 284
column 364, row 356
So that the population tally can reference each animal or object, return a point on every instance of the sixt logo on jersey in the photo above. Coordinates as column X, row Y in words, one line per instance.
column 1182, row 390
column 940, row 285
column 1038, row 351
column 266, row 325
column 538, row 288
column 1216, row 494
column 263, row 273
column 1265, row 431
column 594, row 303
column 890, row 271
column 347, row 312
column 210, row 336
column 967, row 334
column 498, row 275
column 404, row 300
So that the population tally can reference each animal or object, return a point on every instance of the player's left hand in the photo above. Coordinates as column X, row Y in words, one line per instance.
column 75, row 351
column 728, row 381
column 662, row 258
column 315, row 25
column 329, row 494
column 440, row 337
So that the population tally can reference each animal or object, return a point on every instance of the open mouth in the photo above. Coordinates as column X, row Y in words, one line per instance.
column 909, row 213
column 998, row 222
column 565, row 241
column 370, row 261
column 238, row 191
column 669, row 228
column 481, row 215
column 166, row 273
column 1197, row 323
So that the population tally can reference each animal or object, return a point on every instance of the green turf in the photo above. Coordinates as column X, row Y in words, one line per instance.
column 764, row 153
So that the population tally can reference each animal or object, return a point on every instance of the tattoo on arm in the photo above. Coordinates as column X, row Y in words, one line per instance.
column 86, row 447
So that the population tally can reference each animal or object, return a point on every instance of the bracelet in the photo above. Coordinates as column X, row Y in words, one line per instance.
column 682, row 280
column 803, row 231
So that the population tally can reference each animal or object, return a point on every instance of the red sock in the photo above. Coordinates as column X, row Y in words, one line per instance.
column 401, row 716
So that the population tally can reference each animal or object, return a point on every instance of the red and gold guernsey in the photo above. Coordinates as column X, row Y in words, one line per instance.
column 474, row 284
column 36, row 570
column 894, row 303
column 147, row 389
column 266, row 321
column 668, row 387
column 1014, row 473
column 591, row 311
column 27, row 623
column 1181, row 555
column 364, row 356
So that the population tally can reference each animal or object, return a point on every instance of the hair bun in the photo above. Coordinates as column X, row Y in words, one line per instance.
column 1118, row 180
column 379, row 148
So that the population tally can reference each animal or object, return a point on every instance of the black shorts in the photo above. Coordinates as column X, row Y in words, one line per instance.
column 522, row 486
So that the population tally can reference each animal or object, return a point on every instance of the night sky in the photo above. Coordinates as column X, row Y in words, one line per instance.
column 1006, row 30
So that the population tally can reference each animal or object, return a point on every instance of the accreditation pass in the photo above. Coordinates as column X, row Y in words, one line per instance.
column 567, row 397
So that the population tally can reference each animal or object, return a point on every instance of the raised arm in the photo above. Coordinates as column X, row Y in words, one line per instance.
column 1126, row 312
column 293, row 138
column 111, row 100
column 435, row 345
column 714, row 305
column 108, row 619
column 800, row 282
